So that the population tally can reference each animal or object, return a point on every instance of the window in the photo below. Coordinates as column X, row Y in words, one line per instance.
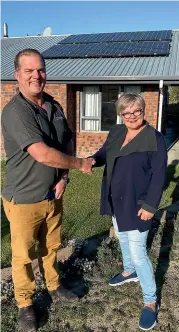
column 108, row 112
column 132, row 88
column 97, row 106
column 91, row 104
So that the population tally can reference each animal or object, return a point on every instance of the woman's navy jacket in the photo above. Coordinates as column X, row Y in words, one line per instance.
column 133, row 176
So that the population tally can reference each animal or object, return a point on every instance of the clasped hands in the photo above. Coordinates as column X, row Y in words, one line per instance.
column 87, row 164
column 86, row 167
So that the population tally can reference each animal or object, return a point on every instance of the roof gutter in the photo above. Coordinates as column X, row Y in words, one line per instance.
column 107, row 79
column 115, row 78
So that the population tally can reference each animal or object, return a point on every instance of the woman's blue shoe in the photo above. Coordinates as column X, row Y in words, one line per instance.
column 148, row 318
column 119, row 279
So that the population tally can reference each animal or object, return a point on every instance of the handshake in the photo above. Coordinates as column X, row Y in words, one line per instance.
column 86, row 165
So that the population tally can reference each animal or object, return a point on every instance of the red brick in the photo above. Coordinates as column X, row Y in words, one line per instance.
column 69, row 97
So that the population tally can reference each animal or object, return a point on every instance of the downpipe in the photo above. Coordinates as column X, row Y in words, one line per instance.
column 159, row 127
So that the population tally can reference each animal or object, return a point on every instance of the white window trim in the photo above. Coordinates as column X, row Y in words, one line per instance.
column 83, row 117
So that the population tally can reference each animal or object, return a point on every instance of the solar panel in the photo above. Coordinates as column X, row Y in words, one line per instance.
column 112, row 49
column 119, row 37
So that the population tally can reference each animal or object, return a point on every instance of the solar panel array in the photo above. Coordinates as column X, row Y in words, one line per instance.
column 119, row 37
column 146, row 43
column 107, row 50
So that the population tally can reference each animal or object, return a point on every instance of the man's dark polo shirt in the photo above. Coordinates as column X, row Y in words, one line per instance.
column 24, row 123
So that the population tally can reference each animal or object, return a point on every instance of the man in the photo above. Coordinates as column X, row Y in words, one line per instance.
column 38, row 144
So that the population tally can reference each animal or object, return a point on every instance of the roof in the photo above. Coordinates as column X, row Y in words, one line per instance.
column 141, row 68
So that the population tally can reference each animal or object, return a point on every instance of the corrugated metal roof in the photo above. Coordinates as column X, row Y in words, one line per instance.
column 95, row 69
column 11, row 46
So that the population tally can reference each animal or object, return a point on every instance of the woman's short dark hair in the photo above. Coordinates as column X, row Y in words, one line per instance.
column 26, row 51
column 127, row 99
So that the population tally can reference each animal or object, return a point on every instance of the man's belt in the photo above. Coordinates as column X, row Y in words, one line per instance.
column 50, row 196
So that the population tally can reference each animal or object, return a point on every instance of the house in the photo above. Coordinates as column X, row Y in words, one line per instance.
column 86, row 73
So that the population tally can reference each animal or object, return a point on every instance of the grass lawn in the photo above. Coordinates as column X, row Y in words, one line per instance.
column 81, row 210
column 101, row 308
column 81, row 207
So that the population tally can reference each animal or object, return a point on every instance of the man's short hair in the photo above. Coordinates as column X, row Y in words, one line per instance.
column 26, row 51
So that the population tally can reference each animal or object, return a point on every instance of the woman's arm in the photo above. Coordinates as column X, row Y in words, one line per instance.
column 100, row 156
column 159, row 167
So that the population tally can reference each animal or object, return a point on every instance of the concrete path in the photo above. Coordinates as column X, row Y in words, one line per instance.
column 173, row 154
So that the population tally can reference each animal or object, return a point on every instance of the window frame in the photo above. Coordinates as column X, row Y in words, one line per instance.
column 84, row 117
column 82, row 100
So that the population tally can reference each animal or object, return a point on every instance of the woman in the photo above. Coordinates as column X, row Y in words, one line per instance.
column 135, row 159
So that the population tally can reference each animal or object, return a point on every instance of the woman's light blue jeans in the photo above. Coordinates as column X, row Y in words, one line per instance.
column 134, row 253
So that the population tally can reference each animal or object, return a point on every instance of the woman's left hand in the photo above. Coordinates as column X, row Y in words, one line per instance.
column 145, row 215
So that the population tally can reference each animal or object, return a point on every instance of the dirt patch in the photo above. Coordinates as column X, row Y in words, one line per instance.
column 103, row 308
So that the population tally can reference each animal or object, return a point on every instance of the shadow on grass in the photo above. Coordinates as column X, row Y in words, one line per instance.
column 5, row 240
column 42, row 305
column 163, row 261
column 166, row 243
column 72, row 276
column 164, row 257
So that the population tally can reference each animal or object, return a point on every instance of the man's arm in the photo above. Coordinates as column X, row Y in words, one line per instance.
column 22, row 127
column 53, row 158
column 70, row 148
column 60, row 186
column 70, row 152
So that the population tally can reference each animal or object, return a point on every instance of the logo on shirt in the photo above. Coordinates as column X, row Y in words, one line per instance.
column 58, row 117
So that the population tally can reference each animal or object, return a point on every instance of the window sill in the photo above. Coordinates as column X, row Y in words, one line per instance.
column 94, row 131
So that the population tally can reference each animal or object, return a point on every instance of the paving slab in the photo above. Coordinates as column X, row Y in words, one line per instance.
column 62, row 255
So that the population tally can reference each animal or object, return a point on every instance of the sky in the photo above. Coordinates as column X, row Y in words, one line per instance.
column 76, row 17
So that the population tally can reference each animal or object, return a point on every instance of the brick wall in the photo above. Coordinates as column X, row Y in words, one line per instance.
column 8, row 90
column 151, row 96
column 86, row 143
column 59, row 92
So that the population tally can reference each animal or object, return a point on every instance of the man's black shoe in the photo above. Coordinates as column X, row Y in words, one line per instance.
column 27, row 319
column 63, row 294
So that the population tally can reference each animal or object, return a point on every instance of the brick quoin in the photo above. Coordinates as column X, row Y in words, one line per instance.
column 86, row 143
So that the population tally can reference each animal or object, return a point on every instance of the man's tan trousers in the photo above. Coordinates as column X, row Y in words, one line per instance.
column 28, row 223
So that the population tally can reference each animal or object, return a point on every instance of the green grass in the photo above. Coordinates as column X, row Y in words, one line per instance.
column 5, row 230
column 3, row 167
column 171, row 188
column 81, row 210
column 81, row 206
column 5, row 240
column 103, row 308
